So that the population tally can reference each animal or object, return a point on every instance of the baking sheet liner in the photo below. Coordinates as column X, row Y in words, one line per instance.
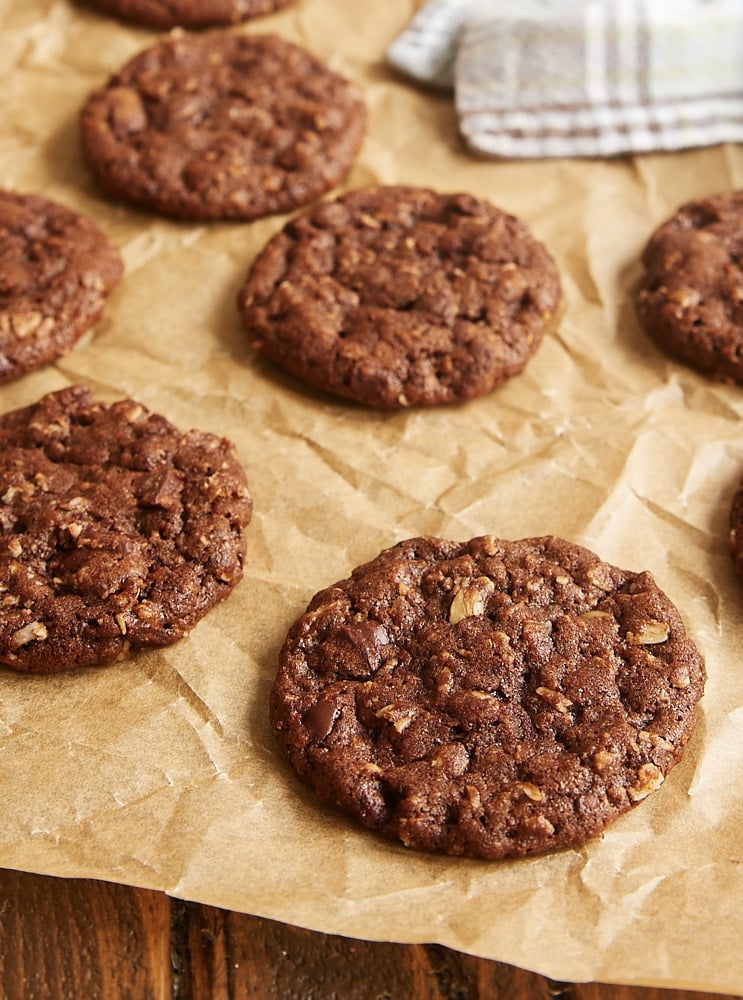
column 162, row 772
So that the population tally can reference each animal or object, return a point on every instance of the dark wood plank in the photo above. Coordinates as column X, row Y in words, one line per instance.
column 232, row 956
column 594, row 991
column 69, row 939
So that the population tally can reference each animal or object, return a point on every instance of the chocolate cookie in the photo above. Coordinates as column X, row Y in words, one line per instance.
column 487, row 698
column 56, row 269
column 400, row 296
column 187, row 13
column 691, row 295
column 118, row 531
column 222, row 126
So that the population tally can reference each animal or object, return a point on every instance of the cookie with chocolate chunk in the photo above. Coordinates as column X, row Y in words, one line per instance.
column 222, row 126
column 56, row 269
column 400, row 296
column 690, row 300
column 117, row 531
column 187, row 13
column 487, row 698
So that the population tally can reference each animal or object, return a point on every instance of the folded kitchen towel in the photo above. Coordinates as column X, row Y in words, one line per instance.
column 540, row 78
column 426, row 48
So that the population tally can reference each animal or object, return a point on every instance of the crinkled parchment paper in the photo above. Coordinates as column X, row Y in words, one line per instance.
column 162, row 772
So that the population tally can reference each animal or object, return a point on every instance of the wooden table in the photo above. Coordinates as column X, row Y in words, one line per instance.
column 70, row 939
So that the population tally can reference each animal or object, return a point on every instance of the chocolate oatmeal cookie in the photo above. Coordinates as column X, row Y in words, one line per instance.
column 487, row 698
column 691, row 296
column 118, row 531
column 222, row 126
column 400, row 296
column 187, row 13
column 56, row 269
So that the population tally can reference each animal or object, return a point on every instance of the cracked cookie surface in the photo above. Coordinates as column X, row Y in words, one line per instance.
column 187, row 13
column 117, row 530
column 399, row 296
column 56, row 269
column 489, row 698
column 222, row 126
column 690, row 299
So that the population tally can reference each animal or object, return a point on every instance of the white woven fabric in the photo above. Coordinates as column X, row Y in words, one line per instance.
column 427, row 47
column 542, row 78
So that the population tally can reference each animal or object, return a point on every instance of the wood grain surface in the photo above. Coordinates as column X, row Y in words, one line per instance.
column 72, row 939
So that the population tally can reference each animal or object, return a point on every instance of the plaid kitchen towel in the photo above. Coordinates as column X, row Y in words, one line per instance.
column 540, row 78
column 427, row 47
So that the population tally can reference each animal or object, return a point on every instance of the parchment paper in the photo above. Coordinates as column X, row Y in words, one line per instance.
column 162, row 772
